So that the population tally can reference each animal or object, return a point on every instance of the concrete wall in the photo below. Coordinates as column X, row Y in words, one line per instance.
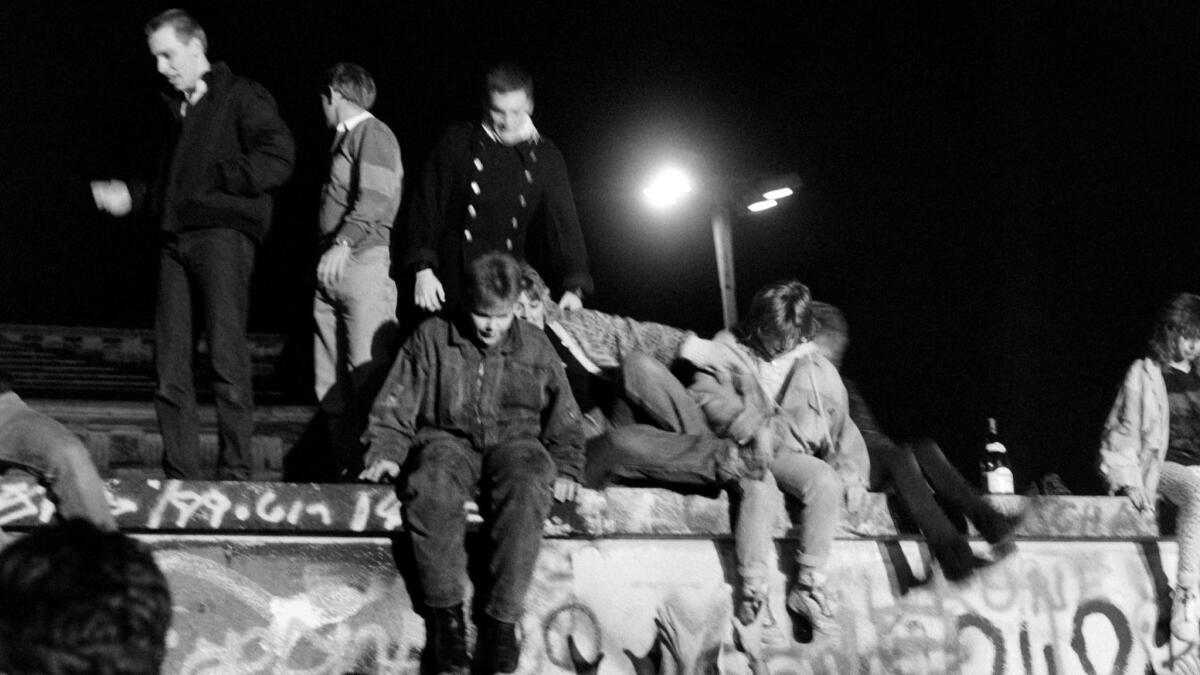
column 281, row 578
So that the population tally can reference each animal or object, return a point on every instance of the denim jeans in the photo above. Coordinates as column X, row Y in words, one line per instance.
column 211, row 267
column 514, row 483
column 32, row 439
column 680, row 450
column 353, row 345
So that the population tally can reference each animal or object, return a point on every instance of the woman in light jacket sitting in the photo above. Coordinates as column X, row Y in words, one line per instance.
column 1151, row 442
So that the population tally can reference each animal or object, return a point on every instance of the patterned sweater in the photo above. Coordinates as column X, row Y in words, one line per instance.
column 362, row 193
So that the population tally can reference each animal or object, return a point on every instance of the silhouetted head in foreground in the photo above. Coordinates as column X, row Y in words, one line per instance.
column 75, row 600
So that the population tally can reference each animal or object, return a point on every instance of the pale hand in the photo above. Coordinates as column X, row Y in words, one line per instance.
column 570, row 301
column 333, row 265
column 112, row 197
column 1138, row 496
column 380, row 470
column 565, row 489
column 856, row 497
column 428, row 293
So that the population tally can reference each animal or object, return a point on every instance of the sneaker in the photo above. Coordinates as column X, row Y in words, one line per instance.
column 498, row 649
column 446, row 641
column 812, row 612
column 1184, row 623
column 751, row 618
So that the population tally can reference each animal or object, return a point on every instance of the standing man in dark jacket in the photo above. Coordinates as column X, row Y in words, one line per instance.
column 228, row 148
column 496, row 185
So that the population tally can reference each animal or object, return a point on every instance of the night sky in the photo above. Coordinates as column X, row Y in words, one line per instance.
column 998, row 197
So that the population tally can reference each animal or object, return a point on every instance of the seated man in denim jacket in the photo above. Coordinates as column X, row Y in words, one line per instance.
column 478, row 401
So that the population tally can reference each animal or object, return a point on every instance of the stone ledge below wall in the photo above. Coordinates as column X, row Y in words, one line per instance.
column 215, row 507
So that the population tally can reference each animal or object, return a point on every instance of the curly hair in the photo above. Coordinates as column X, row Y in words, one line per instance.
column 1178, row 318
column 79, row 600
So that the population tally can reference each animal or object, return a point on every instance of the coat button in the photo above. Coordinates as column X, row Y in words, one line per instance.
column 478, row 164
column 471, row 210
column 475, row 187
column 508, row 243
column 514, row 222
column 528, row 176
column 467, row 235
column 521, row 200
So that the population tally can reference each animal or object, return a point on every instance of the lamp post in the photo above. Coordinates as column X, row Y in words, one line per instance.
column 724, row 197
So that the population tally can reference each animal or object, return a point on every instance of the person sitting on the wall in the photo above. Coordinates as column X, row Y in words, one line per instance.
column 76, row 600
column 477, row 402
column 1150, row 448
column 616, row 367
column 41, row 446
column 788, row 391
column 917, row 471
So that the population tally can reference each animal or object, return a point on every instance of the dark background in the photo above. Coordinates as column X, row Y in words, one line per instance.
column 997, row 197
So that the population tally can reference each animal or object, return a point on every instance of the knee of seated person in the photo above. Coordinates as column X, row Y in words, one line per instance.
column 824, row 484
column 436, row 484
column 637, row 363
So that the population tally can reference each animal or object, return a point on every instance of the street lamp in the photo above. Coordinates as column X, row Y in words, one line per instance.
column 725, row 196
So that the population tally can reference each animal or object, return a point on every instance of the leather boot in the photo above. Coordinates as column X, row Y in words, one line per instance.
column 446, row 640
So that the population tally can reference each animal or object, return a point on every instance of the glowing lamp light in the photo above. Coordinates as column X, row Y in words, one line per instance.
column 762, row 205
column 667, row 188
column 776, row 195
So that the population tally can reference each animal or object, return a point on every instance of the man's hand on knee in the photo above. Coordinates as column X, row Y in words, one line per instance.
column 380, row 470
column 565, row 489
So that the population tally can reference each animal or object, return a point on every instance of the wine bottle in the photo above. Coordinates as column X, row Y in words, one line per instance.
column 995, row 468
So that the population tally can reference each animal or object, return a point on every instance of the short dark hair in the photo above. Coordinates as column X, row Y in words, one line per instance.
column 493, row 279
column 1179, row 317
column 505, row 77
column 186, row 26
column 353, row 82
column 780, row 317
column 80, row 600
column 6, row 382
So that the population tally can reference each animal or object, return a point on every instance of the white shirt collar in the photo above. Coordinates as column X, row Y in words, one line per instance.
column 349, row 124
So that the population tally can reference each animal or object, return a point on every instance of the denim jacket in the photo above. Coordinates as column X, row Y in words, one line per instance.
column 444, row 384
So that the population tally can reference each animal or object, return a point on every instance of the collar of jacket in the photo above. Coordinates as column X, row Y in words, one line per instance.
column 462, row 331
column 526, row 149
column 217, row 78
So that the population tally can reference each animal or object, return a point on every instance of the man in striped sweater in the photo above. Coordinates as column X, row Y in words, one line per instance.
column 355, row 303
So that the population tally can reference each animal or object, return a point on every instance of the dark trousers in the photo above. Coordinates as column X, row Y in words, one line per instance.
column 514, row 481
column 674, row 446
column 919, row 471
column 205, row 275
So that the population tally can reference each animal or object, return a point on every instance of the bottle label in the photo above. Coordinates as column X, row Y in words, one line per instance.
column 1000, row 481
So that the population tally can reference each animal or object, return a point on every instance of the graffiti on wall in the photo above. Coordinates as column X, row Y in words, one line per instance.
column 645, row 607
column 154, row 504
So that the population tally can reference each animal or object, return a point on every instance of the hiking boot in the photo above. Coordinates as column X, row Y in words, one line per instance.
column 1184, row 623
column 498, row 650
column 446, row 641
column 811, row 610
column 751, row 618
